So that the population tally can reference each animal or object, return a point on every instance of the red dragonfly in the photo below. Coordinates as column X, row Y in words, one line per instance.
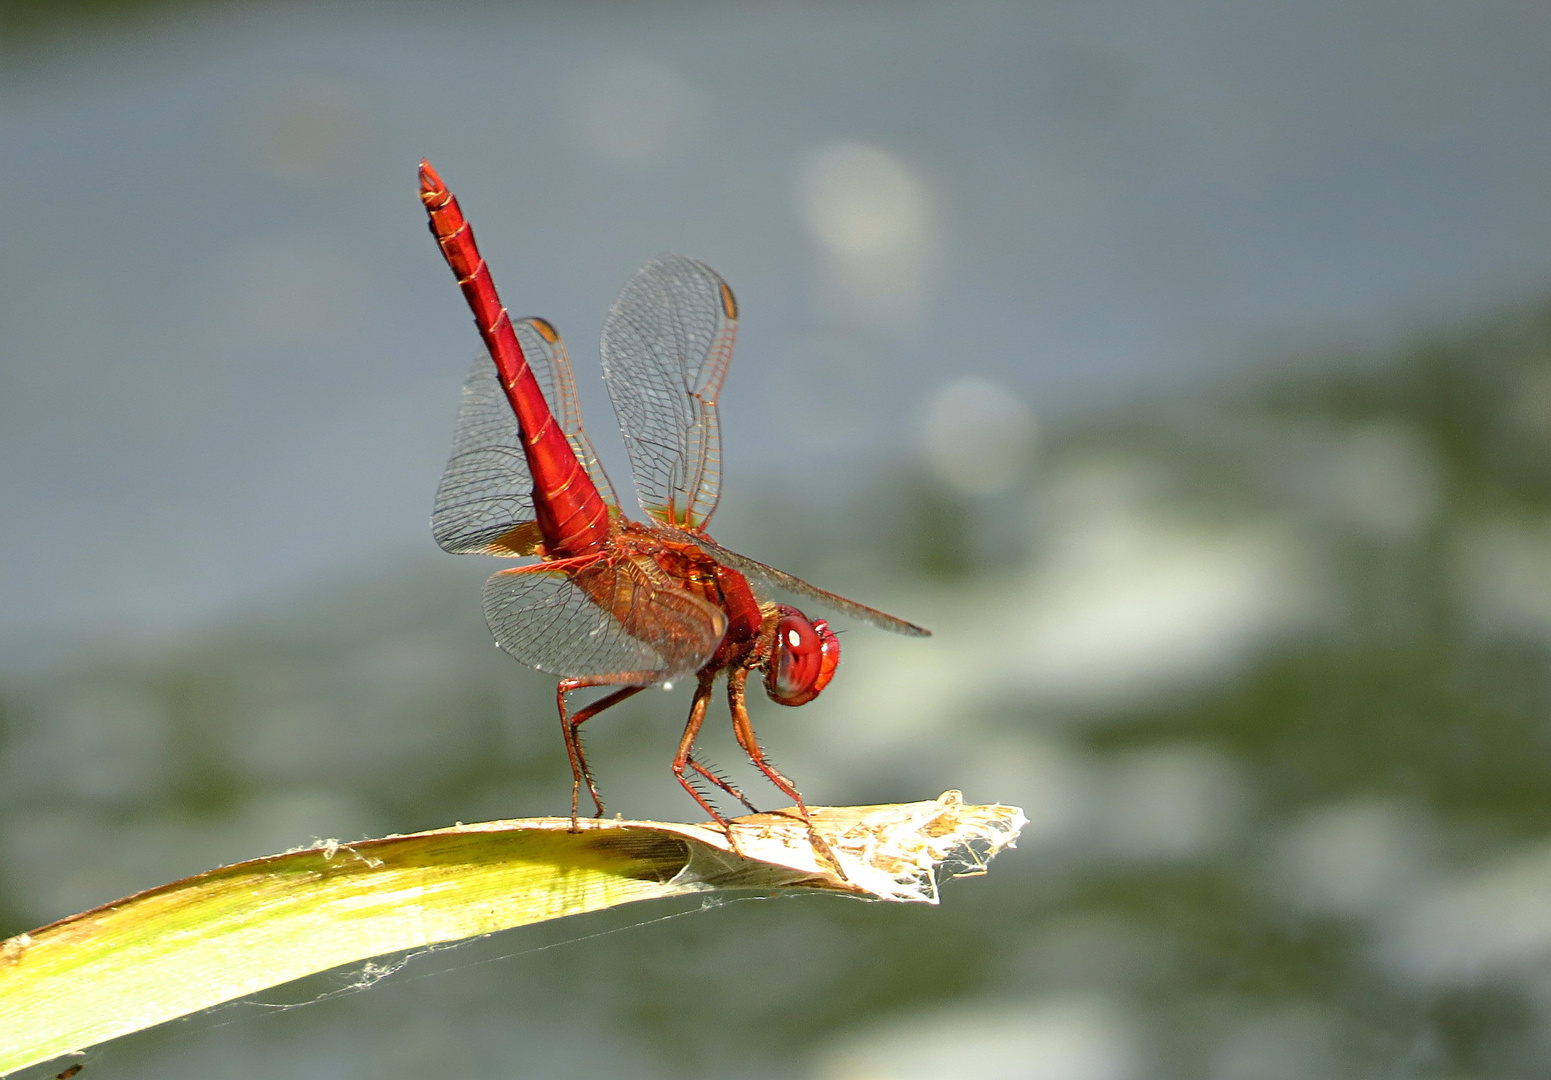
column 614, row 601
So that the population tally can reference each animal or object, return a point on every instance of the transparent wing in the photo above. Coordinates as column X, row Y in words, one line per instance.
column 666, row 345
column 484, row 503
column 772, row 578
column 606, row 621
column 485, row 500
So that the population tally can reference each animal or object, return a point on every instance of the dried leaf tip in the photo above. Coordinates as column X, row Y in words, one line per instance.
column 903, row 852
column 899, row 852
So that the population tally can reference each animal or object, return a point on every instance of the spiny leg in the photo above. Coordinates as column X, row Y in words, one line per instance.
column 725, row 784
column 573, row 742
column 682, row 759
column 743, row 731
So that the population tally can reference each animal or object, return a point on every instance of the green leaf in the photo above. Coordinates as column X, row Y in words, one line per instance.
column 195, row 943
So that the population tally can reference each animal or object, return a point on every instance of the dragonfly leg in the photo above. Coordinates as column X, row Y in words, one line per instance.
column 743, row 731
column 569, row 727
column 722, row 782
column 682, row 760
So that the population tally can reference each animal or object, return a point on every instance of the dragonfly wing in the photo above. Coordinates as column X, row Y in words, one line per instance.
column 666, row 345
column 485, row 499
column 605, row 622
column 772, row 578
column 484, row 503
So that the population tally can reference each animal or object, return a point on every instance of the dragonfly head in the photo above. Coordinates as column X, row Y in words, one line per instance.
column 802, row 659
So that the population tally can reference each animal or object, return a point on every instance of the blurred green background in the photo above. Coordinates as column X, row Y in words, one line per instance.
column 1186, row 368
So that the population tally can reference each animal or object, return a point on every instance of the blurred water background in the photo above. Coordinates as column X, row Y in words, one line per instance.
column 1186, row 367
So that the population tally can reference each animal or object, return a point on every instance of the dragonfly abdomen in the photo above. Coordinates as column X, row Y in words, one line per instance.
column 570, row 512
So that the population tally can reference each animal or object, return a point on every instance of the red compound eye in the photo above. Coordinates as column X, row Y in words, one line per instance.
column 802, row 660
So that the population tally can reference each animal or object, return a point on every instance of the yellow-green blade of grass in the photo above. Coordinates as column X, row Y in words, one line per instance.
column 183, row 947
